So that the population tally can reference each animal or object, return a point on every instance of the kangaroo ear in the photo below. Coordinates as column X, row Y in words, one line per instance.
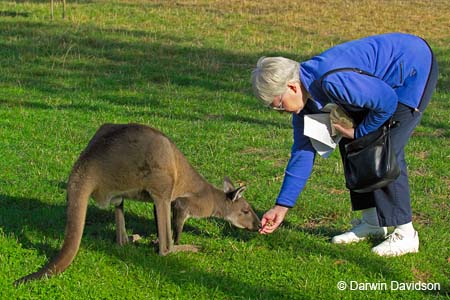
column 228, row 186
column 236, row 194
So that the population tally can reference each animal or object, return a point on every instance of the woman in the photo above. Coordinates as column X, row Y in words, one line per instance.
column 397, row 78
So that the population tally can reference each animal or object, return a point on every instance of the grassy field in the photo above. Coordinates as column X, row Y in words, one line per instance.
column 184, row 67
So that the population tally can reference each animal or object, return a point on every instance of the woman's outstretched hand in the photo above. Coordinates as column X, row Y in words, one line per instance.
column 272, row 219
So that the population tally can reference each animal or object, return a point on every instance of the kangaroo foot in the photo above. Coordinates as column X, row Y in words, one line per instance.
column 185, row 248
column 178, row 248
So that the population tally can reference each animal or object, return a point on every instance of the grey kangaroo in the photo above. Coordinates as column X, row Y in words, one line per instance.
column 139, row 162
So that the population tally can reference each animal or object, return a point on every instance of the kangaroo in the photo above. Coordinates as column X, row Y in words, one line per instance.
column 139, row 162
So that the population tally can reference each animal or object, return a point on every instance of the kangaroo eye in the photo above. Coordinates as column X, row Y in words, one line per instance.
column 246, row 211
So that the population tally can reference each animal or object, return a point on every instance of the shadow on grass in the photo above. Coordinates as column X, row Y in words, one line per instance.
column 13, row 14
column 442, row 55
column 106, row 66
column 48, row 2
column 185, row 116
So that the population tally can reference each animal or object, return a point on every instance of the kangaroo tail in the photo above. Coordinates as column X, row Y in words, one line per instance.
column 78, row 192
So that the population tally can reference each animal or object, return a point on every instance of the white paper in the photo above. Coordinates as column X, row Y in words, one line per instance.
column 318, row 129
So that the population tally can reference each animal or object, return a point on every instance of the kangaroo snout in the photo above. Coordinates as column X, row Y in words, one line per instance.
column 250, row 223
column 255, row 224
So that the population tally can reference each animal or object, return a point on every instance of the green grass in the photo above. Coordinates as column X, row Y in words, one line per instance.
column 184, row 68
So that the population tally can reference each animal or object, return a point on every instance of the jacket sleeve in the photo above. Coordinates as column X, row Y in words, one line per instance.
column 299, row 167
column 365, row 92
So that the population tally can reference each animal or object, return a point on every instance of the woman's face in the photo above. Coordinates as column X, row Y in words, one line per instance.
column 293, row 100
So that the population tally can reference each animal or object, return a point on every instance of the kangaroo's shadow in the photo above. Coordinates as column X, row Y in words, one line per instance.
column 20, row 213
column 19, row 216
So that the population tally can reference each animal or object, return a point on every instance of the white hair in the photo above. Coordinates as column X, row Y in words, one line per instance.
column 271, row 76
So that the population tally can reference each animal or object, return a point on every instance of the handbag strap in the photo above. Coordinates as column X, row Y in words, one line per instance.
column 347, row 69
column 389, row 123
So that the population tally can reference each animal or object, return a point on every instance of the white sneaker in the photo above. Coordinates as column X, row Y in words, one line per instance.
column 360, row 231
column 398, row 244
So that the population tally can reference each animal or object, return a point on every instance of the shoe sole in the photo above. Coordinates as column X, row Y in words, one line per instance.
column 381, row 236
column 415, row 250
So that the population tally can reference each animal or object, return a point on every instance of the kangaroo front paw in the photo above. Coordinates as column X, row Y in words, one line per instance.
column 123, row 239
column 134, row 238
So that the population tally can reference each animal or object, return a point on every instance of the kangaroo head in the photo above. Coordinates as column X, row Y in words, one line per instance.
column 237, row 210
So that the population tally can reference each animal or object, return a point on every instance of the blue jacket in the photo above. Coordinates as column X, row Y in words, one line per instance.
column 400, row 63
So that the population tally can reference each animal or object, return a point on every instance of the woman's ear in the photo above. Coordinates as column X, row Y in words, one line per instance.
column 293, row 86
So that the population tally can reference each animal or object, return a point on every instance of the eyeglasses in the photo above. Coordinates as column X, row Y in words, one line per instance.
column 279, row 107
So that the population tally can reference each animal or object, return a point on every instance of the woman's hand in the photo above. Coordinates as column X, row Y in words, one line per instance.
column 272, row 219
column 345, row 132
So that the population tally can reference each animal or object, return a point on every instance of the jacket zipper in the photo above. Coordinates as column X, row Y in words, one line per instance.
column 401, row 72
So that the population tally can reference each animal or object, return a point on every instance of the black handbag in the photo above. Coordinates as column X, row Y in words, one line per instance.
column 370, row 161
